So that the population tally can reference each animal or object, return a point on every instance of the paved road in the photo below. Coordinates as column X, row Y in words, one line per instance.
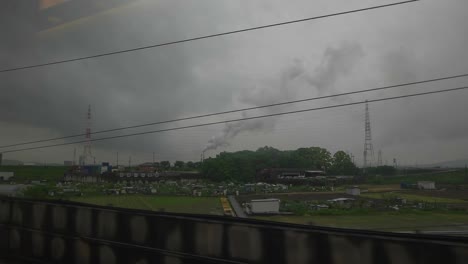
column 236, row 207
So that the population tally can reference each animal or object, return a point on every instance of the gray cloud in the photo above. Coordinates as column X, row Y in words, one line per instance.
column 401, row 44
column 336, row 62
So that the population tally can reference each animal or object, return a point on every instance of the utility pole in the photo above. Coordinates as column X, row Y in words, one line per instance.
column 74, row 157
column 87, row 148
column 379, row 159
column 368, row 148
column 466, row 170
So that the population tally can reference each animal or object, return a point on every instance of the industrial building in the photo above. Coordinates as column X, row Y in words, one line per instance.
column 279, row 174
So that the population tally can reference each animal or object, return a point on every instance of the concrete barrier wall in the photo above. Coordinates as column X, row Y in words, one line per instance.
column 61, row 232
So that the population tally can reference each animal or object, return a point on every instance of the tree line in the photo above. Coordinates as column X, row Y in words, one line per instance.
column 243, row 165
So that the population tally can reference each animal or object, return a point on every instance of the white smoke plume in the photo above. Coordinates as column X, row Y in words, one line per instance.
column 336, row 62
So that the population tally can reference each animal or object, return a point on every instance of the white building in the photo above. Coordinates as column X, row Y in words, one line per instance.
column 426, row 185
column 5, row 176
column 353, row 190
column 265, row 206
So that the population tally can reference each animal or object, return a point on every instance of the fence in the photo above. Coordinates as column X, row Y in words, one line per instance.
column 39, row 231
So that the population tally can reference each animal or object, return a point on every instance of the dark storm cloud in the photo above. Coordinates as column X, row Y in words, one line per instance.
column 401, row 44
column 123, row 90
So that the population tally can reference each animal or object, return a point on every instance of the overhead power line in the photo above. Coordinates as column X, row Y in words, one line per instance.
column 244, row 119
column 202, row 37
column 237, row 110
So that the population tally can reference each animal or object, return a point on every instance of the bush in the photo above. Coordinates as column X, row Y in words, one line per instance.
column 37, row 192
column 296, row 207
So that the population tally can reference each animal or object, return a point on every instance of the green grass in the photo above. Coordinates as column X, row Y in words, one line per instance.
column 390, row 221
column 412, row 197
column 28, row 173
column 457, row 177
column 177, row 204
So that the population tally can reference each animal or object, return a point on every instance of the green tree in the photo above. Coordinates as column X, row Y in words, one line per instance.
column 313, row 157
column 165, row 165
column 179, row 164
column 190, row 165
column 244, row 165
column 197, row 165
column 342, row 164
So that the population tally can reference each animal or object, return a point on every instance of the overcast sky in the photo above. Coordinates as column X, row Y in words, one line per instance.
column 405, row 43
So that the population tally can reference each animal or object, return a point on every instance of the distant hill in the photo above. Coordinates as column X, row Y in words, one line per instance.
column 448, row 164
column 11, row 162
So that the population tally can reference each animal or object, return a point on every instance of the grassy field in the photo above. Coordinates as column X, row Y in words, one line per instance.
column 383, row 221
column 412, row 197
column 27, row 173
column 177, row 204
column 456, row 177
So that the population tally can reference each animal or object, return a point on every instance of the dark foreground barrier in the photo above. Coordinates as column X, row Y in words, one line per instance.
column 37, row 231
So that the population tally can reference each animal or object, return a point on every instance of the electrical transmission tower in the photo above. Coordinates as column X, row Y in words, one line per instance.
column 379, row 158
column 368, row 148
column 87, row 156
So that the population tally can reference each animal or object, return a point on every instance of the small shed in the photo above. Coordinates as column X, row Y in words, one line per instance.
column 426, row 185
column 265, row 206
column 353, row 190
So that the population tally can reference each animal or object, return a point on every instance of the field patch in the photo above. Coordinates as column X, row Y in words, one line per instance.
column 176, row 204
column 383, row 221
column 427, row 197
